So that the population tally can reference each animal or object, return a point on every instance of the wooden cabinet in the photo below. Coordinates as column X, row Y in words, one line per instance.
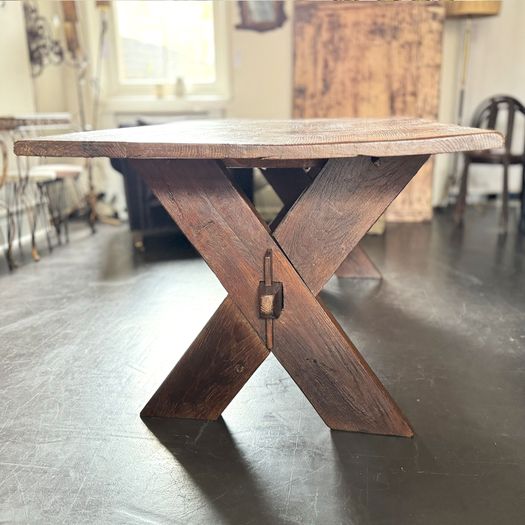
column 371, row 59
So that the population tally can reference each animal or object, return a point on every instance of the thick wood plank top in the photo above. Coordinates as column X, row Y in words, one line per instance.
column 266, row 139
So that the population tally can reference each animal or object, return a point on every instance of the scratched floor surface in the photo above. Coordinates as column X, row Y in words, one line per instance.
column 88, row 333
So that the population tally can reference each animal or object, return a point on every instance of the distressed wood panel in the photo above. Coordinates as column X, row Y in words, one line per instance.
column 371, row 59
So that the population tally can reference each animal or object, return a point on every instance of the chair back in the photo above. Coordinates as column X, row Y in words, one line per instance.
column 500, row 113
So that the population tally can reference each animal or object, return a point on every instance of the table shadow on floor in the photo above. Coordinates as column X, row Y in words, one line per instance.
column 209, row 454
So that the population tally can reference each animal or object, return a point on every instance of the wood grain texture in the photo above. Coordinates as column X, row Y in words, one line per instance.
column 289, row 185
column 347, row 197
column 266, row 139
column 233, row 240
column 222, row 358
column 358, row 265
column 371, row 59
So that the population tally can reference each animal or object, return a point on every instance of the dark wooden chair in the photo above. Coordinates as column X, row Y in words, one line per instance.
column 496, row 113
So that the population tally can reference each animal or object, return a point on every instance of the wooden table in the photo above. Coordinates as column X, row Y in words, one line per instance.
column 347, row 172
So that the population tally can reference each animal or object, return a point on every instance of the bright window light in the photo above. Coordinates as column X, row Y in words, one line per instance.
column 160, row 41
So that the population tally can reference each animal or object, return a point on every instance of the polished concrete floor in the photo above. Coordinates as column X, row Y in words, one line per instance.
column 87, row 334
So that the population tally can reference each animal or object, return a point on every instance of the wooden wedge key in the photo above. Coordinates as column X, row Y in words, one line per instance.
column 335, row 178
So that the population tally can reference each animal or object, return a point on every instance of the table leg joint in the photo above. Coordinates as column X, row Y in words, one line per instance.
column 271, row 298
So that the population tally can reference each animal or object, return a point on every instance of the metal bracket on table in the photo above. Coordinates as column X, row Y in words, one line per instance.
column 271, row 299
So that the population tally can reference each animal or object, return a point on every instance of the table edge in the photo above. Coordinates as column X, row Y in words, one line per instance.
column 485, row 139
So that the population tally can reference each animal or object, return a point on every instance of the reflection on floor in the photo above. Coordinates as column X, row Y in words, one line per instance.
column 89, row 332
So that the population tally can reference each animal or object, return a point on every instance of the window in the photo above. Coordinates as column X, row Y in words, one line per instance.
column 161, row 42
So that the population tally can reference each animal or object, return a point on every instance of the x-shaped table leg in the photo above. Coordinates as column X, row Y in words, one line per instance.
column 308, row 245
column 289, row 184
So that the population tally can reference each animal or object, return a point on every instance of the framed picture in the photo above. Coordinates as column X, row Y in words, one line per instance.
column 261, row 15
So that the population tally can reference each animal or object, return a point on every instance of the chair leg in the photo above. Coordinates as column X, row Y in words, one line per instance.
column 11, row 227
column 66, row 227
column 505, row 204
column 459, row 209
column 3, row 241
column 31, row 219
column 54, row 204
column 522, row 215
column 47, row 217
column 138, row 241
column 54, row 210
column 18, row 214
column 11, row 230
column 61, row 205
column 15, row 197
column 92, row 215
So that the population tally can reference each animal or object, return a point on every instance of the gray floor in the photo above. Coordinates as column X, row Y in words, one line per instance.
column 89, row 332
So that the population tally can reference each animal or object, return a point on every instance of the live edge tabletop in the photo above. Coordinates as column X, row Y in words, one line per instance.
column 335, row 178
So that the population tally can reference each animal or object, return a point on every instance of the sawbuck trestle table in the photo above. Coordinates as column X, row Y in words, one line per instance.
column 336, row 177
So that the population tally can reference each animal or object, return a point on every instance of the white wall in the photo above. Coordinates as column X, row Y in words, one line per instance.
column 262, row 69
column 16, row 88
column 16, row 91
column 497, row 66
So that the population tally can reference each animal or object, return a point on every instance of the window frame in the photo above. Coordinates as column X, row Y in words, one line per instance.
column 116, row 88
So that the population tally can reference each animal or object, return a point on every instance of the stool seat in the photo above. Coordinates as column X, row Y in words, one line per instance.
column 55, row 171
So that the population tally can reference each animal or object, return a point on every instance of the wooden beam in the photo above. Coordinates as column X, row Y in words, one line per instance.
column 233, row 240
